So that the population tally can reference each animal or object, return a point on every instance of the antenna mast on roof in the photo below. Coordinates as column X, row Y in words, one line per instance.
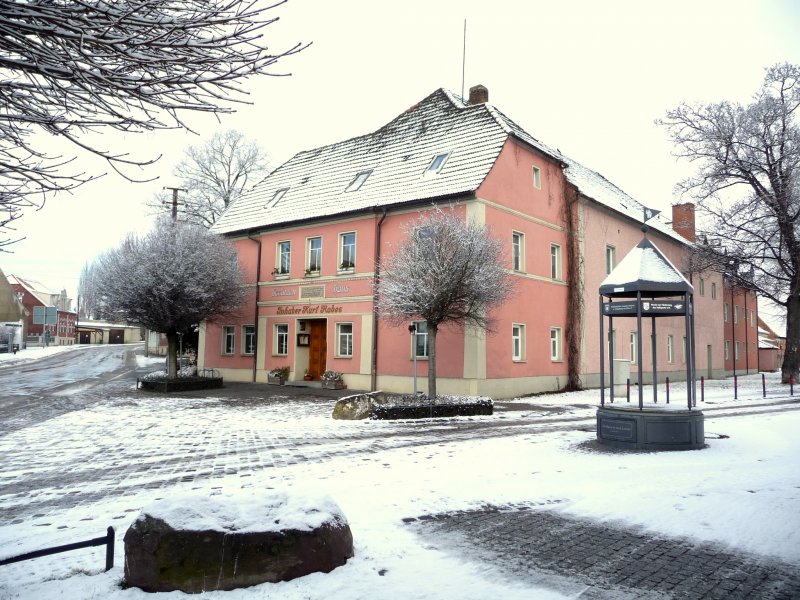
column 464, row 59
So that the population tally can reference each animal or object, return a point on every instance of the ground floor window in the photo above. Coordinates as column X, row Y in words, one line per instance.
column 421, row 340
column 282, row 339
column 670, row 349
column 518, row 341
column 248, row 339
column 634, row 351
column 344, row 339
column 228, row 339
column 555, row 343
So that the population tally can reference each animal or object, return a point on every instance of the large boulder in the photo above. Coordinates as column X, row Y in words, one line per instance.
column 358, row 406
column 197, row 544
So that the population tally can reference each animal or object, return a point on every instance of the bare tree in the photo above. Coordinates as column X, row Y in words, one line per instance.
column 78, row 67
column 446, row 271
column 748, row 185
column 215, row 174
column 88, row 293
column 170, row 280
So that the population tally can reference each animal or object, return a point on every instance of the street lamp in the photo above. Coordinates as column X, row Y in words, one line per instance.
column 412, row 329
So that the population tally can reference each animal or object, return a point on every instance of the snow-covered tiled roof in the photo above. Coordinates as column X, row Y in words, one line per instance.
column 645, row 269
column 397, row 156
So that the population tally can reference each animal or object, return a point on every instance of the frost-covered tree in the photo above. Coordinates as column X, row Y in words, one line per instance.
column 88, row 293
column 214, row 175
column 748, row 186
column 75, row 68
column 170, row 280
column 446, row 271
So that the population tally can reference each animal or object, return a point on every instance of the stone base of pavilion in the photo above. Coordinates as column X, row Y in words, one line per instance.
column 653, row 427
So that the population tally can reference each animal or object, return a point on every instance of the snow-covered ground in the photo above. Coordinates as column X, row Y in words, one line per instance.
column 32, row 353
column 742, row 492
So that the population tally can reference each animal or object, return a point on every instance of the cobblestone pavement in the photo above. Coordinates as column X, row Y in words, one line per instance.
column 608, row 561
column 81, row 443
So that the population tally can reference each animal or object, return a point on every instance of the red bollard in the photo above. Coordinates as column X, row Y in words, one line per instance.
column 628, row 391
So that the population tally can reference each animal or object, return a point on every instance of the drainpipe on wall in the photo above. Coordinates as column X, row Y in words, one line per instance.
column 255, row 311
column 374, row 365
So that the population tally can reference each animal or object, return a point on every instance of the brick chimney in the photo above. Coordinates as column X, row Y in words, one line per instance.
column 478, row 94
column 683, row 220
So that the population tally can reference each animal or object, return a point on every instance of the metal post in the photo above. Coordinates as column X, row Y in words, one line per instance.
column 628, row 390
column 764, row 385
column 602, row 357
column 109, row 548
column 702, row 388
column 655, row 359
column 735, row 387
column 639, row 346
column 667, row 390
column 611, row 358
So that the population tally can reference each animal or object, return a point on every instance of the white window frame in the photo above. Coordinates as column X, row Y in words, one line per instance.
column 735, row 314
column 611, row 258
column 415, row 341
column 555, row 262
column 536, row 173
column 518, row 251
column 359, row 180
column 752, row 318
column 518, row 342
column 228, row 340
column 633, row 345
column 281, row 337
column 556, row 344
column 684, row 350
column 702, row 287
column 248, row 333
column 670, row 348
column 713, row 290
column 346, row 337
column 736, row 352
column 726, row 312
column 437, row 163
column 727, row 349
column 309, row 255
column 276, row 197
column 342, row 268
column 279, row 254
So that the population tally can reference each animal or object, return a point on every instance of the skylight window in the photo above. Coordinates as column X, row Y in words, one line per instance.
column 437, row 163
column 277, row 197
column 358, row 181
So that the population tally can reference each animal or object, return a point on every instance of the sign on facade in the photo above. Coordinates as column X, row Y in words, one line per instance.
column 45, row 315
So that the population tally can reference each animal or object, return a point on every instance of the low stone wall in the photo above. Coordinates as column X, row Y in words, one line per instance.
column 180, row 384
column 377, row 405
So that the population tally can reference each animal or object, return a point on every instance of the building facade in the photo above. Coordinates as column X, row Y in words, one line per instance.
column 312, row 235
column 34, row 294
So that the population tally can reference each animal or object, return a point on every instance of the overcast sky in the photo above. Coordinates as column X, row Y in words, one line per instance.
column 586, row 77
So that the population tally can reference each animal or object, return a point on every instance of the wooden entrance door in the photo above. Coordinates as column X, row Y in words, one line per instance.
column 317, row 348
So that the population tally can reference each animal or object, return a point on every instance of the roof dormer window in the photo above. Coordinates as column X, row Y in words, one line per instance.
column 358, row 181
column 437, row 163
column 277, row 197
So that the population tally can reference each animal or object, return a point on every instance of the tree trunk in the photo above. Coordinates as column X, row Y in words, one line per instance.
column 432, row 330
column 172, row 355
column 791, row 358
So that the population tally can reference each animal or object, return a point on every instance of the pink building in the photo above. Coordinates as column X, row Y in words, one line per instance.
column 309, row 237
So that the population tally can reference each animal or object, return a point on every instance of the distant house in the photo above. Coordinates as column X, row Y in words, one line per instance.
column 103, row 332
column 740, row 316
column 12, row 318
column 771, row 347
column 311, row 236
column 34, row 294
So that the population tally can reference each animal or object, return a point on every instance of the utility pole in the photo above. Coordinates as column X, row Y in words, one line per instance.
column 175, row 191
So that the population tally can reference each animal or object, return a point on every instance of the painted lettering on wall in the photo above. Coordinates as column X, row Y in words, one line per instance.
column 341, row 289
column 283, row 292
column 317, row 309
